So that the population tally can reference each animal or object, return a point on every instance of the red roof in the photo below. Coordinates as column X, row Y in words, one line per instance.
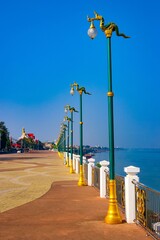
column 31, row 135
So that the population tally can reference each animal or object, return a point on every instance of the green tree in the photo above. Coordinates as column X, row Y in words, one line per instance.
column 54, row 146
column 4, row 137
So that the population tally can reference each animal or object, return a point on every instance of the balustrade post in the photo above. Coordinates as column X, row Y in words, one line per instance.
column 74, row 162
column 130, row 201
column 69, row 159
column 84, row 169
column 84, row 159
column 77, row 163
column 91, row 163
column 65, row 157
column 104, row 168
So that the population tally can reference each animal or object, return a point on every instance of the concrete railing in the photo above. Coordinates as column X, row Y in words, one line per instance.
column 134, row 198
column 91, row 163
column 130, row 201
column 103, row 183
column 76, row 162
column 129, row 188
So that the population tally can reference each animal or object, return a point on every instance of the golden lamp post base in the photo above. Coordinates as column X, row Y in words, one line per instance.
column 71, row 167
column 81, row 181
column 67, row 163
column 113, row 215
column 59, row 154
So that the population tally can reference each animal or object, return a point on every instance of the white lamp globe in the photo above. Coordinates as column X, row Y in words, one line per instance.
column 92, row 32
column 72, row 91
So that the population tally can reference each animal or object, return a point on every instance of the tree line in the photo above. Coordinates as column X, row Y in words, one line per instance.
column 4, row 137
column 6, row 144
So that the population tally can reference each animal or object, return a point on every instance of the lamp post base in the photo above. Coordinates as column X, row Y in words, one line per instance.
column 67, row 164
column 59, row 154
column 71, row 167
column 81, row 181
column 113, row 215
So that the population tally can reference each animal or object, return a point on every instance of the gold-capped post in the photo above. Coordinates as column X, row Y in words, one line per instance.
column 80, row 90
column 113, row 215
column 72, row 110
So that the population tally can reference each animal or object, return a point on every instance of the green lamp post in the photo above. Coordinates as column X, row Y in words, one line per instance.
column 113, row 215
column 58, row 143
column 68, row 120
column 64, row 127
column 81, row 90
column 71, row 109
column 0, row 138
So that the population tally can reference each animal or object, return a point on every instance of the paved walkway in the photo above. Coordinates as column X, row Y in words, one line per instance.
column 60, row 211
column 25, row 177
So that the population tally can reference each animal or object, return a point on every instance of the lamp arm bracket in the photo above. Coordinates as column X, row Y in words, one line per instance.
column 75, row 85
column 83, row 90
column 72, row 109
column 80, row 89
column 110, row 26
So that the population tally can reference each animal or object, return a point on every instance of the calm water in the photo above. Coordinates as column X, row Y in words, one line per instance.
column 148, row 160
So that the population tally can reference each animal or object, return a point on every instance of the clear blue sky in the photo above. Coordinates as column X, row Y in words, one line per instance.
column 44, row 47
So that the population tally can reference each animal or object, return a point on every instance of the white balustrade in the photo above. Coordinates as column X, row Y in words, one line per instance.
column 130, row 201
column 74, row 162
column 103, row 171
column 69, row 159
column 91, row 163
column 77, row 163
column 84, row 160
column 65, row 157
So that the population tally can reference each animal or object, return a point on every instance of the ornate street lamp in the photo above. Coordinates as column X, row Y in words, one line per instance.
column 71, row 109
column 113, row 215
column 1, row 137
column 68, row 120
column 59, row 144
column 64, row 127
column 81, row 90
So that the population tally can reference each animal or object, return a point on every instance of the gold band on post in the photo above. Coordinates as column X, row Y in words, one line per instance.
column 108, row 33
column 110, row 94
column 80, row 122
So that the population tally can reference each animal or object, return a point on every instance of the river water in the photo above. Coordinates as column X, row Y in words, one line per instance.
column 148, row 160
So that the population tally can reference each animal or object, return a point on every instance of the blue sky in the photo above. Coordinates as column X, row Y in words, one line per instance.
column 44, row 47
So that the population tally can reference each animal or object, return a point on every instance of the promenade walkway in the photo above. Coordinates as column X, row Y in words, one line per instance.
column 40, row 199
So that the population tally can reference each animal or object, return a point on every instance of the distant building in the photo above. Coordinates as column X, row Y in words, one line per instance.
column 26, row 135
column 48, row 145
